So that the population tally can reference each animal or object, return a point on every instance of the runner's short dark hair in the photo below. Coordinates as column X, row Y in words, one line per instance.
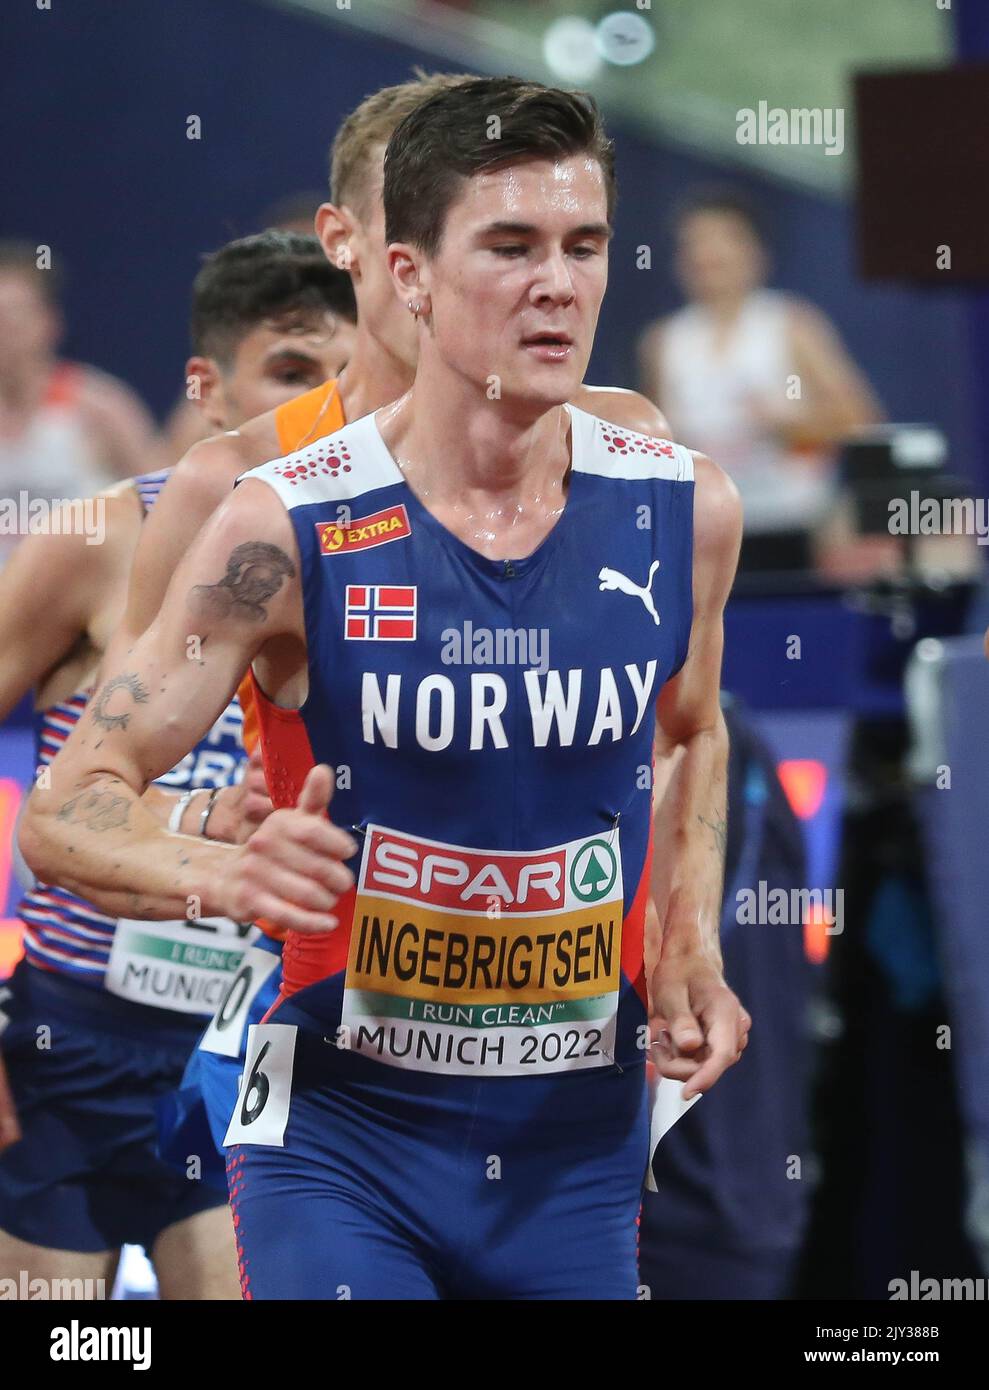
column 482, row 124
column 274, row 275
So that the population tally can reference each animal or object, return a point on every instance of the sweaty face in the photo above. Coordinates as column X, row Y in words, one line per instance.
column 274, row 363
column 517, row 282
column 717, row 254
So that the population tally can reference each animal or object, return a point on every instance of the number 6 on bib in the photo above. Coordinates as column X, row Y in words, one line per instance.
column 261, row 1112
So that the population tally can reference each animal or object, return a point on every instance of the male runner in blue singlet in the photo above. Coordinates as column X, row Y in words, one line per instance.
column 121, row 1000
column 381, row 368
column 451, row 1099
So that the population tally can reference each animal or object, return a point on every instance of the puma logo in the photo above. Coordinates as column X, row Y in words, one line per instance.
column 612, row 579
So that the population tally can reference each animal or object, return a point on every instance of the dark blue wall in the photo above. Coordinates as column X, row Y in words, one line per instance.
column 93, row 108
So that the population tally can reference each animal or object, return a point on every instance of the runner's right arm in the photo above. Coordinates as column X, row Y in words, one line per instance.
column 198, row 484
column 195, row 488
column 52, row 592
column 236, row 590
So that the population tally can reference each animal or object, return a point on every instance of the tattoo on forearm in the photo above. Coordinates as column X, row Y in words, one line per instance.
column 134, row 688
column 256, row 571
column 719, row 829
column 96, row 810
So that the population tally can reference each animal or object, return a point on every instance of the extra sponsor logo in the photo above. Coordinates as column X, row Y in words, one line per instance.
column 392, row 524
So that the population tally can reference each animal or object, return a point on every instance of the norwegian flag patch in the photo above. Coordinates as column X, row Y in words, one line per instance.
column 380, row 613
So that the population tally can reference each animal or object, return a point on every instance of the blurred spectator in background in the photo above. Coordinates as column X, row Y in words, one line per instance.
column 66, row 430
column 186, row 425
column 757, row 379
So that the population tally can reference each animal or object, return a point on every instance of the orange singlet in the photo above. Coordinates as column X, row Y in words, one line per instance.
column 317, row 413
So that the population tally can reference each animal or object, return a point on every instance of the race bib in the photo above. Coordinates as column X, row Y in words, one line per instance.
column 477, row 963
column 174, row 965
column 261, row 1112
column 226, row 1030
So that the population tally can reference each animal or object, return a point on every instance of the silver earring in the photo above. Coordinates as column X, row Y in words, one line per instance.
column 415, row 309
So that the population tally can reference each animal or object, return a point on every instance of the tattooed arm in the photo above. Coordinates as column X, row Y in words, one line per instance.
column 230, row 596
column 700, row 1025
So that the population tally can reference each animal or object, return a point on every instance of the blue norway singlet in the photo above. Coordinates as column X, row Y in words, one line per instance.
column 490, row 724
column 179, row 966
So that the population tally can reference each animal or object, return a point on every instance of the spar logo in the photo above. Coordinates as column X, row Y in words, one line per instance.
column 564, row 878
column 392, row 524
column 451, row 876
column 593, row 871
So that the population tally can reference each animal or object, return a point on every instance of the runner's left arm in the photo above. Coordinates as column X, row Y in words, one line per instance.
column 699, row 1027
